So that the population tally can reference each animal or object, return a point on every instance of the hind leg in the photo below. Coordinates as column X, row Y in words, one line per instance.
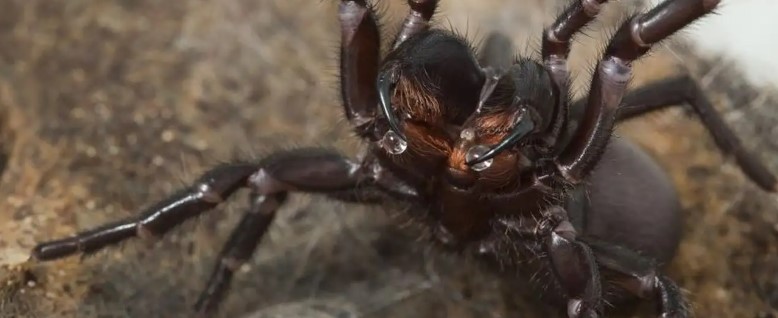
column 684, row 90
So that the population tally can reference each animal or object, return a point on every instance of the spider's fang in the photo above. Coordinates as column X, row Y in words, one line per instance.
column 493, row 76
column 522, row 129
column 385, row 86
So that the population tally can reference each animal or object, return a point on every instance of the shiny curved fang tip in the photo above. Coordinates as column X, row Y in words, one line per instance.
column 384, row 95
column 522, row 129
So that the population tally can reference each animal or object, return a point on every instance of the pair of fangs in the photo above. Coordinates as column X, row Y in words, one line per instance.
column 478, row 157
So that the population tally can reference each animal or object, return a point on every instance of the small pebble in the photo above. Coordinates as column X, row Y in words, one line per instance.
column 168, row 135
column 91, row 151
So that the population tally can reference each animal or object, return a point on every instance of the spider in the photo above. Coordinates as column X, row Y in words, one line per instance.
column 505, row 165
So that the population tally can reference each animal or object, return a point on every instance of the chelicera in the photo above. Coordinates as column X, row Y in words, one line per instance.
column 505, row 165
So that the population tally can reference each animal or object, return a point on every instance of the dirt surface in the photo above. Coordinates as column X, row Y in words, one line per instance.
column 108, row 106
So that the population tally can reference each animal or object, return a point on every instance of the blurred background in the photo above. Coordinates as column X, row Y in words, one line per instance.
column 108, row 106
column 742, row 33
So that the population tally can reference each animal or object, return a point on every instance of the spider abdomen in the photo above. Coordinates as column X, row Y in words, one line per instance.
column 632, row 202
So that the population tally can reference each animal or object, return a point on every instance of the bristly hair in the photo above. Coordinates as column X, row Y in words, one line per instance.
column 416, row 97
column 462, row 36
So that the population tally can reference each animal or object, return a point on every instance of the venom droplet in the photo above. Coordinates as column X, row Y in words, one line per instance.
column 393, row 144
column 476, row 152
column 467, row 134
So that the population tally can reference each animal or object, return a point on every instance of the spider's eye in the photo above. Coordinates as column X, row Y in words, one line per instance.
column 476, row 152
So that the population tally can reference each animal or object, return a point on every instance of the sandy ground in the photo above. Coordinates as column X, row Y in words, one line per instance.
column 108, row 106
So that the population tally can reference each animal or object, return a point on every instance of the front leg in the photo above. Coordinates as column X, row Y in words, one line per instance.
column 360, row 51
column 302, row 170
column 631, row 41
column 574, row 267
column 418, row 19
column 307, row 170
column 557, row 39
column 684, row 90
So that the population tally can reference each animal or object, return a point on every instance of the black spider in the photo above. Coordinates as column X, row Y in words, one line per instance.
column 504, row 164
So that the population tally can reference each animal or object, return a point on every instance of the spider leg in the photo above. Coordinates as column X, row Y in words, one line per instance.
column 417, row 20
column 573, row 264
column 671, row 301
column 555, row 51
column 316, row 171
column 239, row 248
column 612, row 75
column 557, row 37
column 577, row 262
column 684, row 90
column 209, row 190
column 638, row 275
column 302, row 170
column 359, row 59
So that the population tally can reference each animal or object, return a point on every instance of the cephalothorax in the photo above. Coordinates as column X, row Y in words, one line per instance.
column 506, row 166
